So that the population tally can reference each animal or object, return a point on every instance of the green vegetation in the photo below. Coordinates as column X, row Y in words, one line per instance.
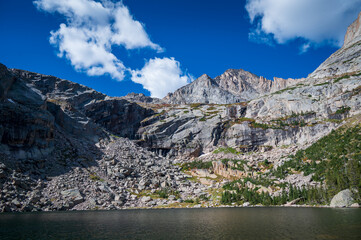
column 196, row 164
column 234, row 164
column 195, row 105
column 334, row 159
column 340, row 78
column 160, row 114
column 226, row 150
column 239, row 193
column 343, row 110
column 322, row 84
column 186, row 111
column 113, row 135
column 263, row 125
column 166, row 192
column 356, row 91
column 95, row 177
column 284, row 90
column 203, row 119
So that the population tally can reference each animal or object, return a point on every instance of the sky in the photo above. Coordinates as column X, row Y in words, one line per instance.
column 156, row 46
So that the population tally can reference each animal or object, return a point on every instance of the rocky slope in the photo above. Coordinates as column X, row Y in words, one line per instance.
column 60, row 150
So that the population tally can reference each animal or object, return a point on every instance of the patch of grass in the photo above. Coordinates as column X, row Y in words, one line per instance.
column 356, row 91
column 186, row 111
column 284, row 90
column 160, row 114
column 213, row 112
column 166, row 192
column 226, row 150
column 234, row 164
column 203, row 119
column 95, row 177
column 343, row 110
column 322, row 84
column 195, row 105
column 196, row 164
column 340, row 78
column 260, row 125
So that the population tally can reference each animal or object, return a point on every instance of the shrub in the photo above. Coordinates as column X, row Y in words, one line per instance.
column 196, row 164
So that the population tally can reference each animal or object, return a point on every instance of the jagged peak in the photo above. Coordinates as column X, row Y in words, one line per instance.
column 204, row 76
column 353, row 32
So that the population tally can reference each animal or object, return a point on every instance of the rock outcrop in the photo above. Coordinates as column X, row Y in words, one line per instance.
column 342, row 199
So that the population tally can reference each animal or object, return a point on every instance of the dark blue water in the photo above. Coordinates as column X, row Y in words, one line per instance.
column 224, row 223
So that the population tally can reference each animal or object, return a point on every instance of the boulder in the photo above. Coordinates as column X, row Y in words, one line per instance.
column 74, row 195
column 342, row 199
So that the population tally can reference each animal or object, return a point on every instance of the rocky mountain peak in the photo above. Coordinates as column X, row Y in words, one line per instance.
column 141, row 98
column 347, row 60
column 202, row 90
column 353, row 33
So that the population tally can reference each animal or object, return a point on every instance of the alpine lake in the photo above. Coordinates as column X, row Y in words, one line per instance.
column 212, row 223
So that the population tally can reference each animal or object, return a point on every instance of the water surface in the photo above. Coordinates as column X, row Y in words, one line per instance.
column 221, row 223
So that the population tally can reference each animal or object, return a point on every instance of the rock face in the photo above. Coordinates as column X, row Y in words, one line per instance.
column 85, row 105
column 24, row 123
column 202, row 90
column 342, row 199
column 194, row 130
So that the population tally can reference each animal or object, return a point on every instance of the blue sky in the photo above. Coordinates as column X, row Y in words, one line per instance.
column 161, row 45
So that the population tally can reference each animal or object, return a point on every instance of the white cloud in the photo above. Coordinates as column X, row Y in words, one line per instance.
column 91, row 30
column 304, row 48
column 316, row 21
column 161, row 76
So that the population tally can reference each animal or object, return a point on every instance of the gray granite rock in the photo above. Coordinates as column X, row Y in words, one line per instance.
column 342, row 199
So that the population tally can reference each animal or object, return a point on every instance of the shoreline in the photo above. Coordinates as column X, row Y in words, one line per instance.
column 164, row 208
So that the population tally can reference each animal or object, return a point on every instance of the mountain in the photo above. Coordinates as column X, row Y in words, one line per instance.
column 203, row 90
column 237, row 139
column 234, row 85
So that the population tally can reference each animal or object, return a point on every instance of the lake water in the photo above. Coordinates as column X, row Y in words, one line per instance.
column 221, row 223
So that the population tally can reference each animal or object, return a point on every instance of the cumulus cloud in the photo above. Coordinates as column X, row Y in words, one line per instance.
column 90, row 31
column 161, row 76
column 315, row 21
